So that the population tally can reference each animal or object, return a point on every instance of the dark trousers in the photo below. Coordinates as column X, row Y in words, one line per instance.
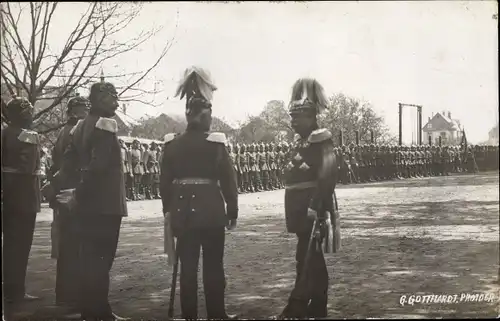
column 310, row 300
column 212, row 242
column 17, row 229
column 98, row 243
column 54, row 234
column 68, row 265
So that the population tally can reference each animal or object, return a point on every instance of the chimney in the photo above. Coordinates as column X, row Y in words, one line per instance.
column 124, row 107
column 449, row 115
column 102, row 76
column 429, row 119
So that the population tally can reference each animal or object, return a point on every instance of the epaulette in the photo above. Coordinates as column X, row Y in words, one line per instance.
column 296, row 137
column 319, row 135
column 169, row 137
column 107, row 124
column 28, row 136
column 72, row 131
column 217, row 138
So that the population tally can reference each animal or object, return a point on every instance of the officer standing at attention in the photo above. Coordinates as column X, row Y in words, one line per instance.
column 197, row 178
column 68, row 247
column 310, row 178
column 20, row 196
column 98, row 201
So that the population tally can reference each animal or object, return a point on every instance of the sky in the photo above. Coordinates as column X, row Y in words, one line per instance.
column 441, row 55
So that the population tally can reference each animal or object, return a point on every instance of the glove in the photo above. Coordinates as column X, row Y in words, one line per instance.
column 312, row 214
column 231, row 224
column 67, row 199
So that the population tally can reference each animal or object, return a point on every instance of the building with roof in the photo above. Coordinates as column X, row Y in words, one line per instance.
column 125, row 122
column 493, row 136
column 442, row 125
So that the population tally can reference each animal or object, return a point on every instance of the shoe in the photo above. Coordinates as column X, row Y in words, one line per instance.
column 119, row 318
column 26, row 297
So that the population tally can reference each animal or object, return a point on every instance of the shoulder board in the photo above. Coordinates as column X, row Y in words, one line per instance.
column 169, row 137
column 296, row 137
column 217, row 138
column 28, row 136
column 72, row 131
column 319, row 135
column 107, row 124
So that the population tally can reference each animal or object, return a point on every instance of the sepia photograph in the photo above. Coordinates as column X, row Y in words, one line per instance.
column 237, row 160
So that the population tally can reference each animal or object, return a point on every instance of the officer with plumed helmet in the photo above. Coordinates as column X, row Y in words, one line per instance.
column 310, row 204
column 199, row 192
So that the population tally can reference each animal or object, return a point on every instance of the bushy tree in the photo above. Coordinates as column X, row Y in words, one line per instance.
column 344, row 113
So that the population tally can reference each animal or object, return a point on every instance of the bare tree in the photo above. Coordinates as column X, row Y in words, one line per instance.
column 31, row 68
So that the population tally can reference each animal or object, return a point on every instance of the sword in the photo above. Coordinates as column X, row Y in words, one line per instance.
column 302, row 283
column 173, row 286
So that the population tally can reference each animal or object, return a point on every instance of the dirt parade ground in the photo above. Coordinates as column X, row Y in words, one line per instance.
column 402, row 241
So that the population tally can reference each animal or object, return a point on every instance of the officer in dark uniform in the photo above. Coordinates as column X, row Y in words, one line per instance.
column 98, row 201
column 20, row 195
column 67, row 261
column 197, row 178
column 309, row 198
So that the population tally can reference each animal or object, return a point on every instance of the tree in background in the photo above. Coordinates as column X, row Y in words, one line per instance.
column 350, row 114
column 49, row 78
column 158, row 127
column 272, row 124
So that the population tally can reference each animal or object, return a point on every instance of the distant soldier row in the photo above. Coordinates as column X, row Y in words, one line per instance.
column 260, row 166
column 140, row 164
column 368, row 163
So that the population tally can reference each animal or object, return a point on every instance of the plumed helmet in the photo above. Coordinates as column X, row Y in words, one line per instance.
column 77, row 101
column 308, row 96
column 198, row 87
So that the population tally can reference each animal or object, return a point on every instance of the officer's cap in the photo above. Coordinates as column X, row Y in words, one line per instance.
column 78, row 101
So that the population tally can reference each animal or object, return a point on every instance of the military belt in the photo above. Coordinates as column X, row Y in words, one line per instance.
column 194, row 181
column 17, row 171
column 301, row 185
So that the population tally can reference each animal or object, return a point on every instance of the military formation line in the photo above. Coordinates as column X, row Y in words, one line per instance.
column 261, row 166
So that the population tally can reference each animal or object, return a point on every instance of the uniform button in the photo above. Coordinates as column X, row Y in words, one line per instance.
column 181, row 197
column 193, row 196
column 193, row 210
